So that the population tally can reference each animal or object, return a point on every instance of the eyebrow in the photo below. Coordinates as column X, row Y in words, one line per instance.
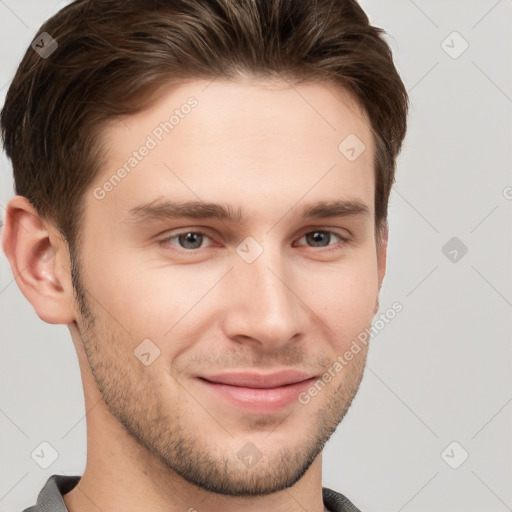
column 161, row 210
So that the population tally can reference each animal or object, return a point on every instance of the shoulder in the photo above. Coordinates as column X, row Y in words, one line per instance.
column 50, row 496
column 336, row 502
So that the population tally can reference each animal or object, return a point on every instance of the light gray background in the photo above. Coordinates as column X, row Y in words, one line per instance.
column 440, row 371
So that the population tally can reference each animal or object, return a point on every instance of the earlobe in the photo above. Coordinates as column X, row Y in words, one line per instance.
column 34, row 254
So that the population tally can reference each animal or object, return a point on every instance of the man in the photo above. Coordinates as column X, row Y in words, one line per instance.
column 201, row 197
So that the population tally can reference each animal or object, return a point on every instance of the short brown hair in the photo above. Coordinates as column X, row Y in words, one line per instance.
column 112, row 55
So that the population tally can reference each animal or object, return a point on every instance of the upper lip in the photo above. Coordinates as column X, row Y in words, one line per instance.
column 258, row 380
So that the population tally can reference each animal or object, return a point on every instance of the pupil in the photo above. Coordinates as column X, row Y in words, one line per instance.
column 192, row 238
column 319, row 236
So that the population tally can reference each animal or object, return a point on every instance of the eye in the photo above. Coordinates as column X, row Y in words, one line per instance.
column 322, row 238
column 189, row 240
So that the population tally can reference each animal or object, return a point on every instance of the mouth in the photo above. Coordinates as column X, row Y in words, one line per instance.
column 256, row 392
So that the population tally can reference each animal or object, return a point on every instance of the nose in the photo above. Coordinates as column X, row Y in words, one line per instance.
column 265, row 307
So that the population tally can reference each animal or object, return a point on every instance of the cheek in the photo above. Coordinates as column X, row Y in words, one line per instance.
column 146, row 303
column 348, row 301
column 163, row 305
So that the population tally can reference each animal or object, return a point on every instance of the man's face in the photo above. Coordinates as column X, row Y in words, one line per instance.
column 271, row 291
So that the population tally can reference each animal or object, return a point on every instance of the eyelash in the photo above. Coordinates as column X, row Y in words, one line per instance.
column 328, row 248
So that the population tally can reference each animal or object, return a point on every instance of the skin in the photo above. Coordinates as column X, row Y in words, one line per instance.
column 155, row 439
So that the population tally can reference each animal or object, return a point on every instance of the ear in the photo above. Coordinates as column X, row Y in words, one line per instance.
column 39, row 260
column 382, row 249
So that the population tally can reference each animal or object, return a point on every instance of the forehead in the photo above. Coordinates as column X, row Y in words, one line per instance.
column 267, row 143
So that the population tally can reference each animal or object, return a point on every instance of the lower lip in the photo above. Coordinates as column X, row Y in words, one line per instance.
column 256, row 400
